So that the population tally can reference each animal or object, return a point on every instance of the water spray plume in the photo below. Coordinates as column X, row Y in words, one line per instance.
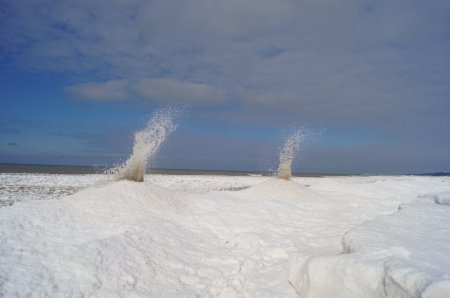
column 287, row 154
column 146, row 143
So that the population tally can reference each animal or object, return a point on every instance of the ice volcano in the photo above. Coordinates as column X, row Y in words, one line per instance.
column 287, row 154
column 283, row 187
column 146, row 143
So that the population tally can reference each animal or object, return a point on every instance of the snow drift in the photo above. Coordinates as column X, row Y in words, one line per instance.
column 400, row 255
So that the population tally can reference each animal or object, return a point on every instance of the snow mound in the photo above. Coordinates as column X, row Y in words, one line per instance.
column 114, row 239
column 125, row 195
column 279, row 189
column 400, row 255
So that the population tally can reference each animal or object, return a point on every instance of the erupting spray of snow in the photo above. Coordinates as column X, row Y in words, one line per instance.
column 146, row 143
column 287, row 154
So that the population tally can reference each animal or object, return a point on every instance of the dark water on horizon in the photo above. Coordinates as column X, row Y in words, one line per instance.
column 80, row 170
column 48, row 169
column 66, row 169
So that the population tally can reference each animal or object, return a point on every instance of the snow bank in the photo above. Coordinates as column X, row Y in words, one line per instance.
column 405, row 254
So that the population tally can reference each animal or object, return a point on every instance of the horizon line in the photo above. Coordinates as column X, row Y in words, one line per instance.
column 224, row 171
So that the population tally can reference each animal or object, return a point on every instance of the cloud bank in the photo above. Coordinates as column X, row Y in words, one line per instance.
column 301, row 57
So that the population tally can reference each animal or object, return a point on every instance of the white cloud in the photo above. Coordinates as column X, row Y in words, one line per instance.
column 178, row 91
column 354, row 62
column 106, row 91
column 157, row 90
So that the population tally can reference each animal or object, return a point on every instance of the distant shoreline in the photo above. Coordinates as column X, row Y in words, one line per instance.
column 81, row 170
column 48, row 169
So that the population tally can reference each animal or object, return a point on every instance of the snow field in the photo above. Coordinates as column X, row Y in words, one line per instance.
column 221, row 236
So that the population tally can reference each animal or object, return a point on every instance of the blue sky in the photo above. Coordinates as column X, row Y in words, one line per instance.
column 370, row 80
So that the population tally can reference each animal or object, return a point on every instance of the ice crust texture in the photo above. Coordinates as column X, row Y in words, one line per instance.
column 221, row 236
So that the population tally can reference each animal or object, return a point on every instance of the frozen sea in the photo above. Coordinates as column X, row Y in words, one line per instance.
column 78, row 235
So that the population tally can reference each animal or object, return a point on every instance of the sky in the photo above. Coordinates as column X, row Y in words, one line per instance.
column 369, row 81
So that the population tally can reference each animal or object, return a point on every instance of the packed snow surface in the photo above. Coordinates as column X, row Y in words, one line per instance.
column 224, row 236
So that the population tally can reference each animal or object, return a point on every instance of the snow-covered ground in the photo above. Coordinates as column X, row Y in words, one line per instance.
column 224, row 236
column 22, row 187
